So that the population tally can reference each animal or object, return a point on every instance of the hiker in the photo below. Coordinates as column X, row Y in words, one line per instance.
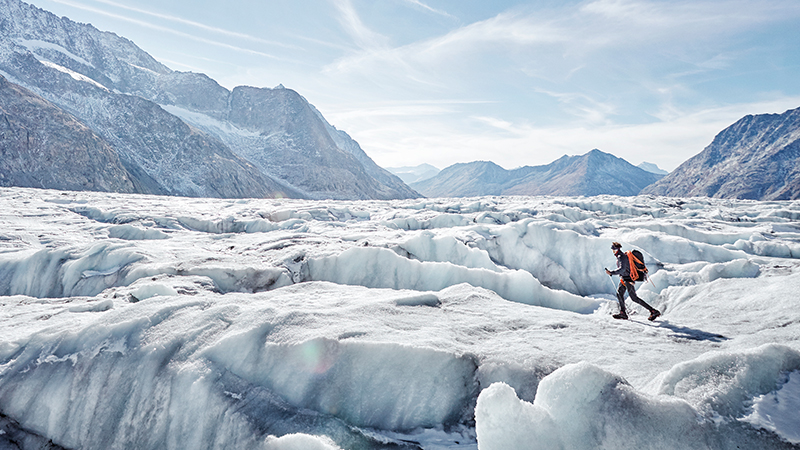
column 626, row 281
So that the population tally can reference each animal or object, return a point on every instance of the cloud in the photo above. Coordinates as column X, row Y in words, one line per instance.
column 507, row 29
column 164, row 29
column 583, row 106
column 398, row 110
column 411, row 140
column 430, row 9
column 583, row 31
column 434, row 63
column 501, row 125
column 596, row 63
column 194, row 24
column 362, row 36
column 669, row 14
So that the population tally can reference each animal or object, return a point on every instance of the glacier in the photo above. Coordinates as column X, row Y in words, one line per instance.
column 135, row 321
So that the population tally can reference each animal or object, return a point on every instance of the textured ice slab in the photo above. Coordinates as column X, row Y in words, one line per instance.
column 581, row 406
column 777, row 410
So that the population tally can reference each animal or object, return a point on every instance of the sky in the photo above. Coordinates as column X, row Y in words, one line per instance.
column 514, row 82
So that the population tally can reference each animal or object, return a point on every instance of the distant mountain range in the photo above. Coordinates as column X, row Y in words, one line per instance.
column 757, row 158
column 652, row 168
column 413, row 174
column 594, row 173
column 165, row 132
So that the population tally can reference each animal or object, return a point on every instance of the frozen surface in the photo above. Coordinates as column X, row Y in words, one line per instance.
column 777, row 410
column 182, row 323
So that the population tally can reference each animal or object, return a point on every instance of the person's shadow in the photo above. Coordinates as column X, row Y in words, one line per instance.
column 690, row 333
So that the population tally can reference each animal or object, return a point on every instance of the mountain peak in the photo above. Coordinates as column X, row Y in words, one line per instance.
column 593, row 173
column 652, row 168
column 754, row 158
column 413, row 174
column 181, row 133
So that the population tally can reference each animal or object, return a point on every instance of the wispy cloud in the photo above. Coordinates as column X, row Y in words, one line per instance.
column 172, row 31
column 666, row 143
column 417, row 61
column 362, row 36
column 430, row 9
column 505, row 28
column 501, row 124
column 398, row 109
column 198, row 25
column 637, row 49
column 730, row 13
column 582, row 105
column 602, row 24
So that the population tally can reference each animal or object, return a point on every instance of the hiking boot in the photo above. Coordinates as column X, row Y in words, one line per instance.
column 654, row 314
column 622, row 315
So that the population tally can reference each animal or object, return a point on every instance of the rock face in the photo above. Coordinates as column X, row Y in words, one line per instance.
column 285, row 136
column 756, row 158
column 594, row 173
column 182, row 133
column 42, row 146
column 389, row 185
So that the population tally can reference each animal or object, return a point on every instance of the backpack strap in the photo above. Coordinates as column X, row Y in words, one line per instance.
column 633, row 270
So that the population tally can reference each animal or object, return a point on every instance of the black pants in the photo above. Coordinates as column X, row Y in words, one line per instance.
column 628, row 285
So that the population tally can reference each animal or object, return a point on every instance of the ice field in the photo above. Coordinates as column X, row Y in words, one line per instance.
column 131, row 321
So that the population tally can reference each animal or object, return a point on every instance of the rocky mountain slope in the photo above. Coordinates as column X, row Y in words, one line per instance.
column 756, row 158
column 42, row 146
column 594, row 173
column 182, row 133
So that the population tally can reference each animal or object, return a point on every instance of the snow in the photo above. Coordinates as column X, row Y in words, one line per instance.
column 35, row 44
column 207, row 122
column 299, row 442
column 75, row 75
column 131, row 233
column 777, row 410
column 130, row 321
column 582, row 406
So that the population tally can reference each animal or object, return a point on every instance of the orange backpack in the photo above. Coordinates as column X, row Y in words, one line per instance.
column 636, row 264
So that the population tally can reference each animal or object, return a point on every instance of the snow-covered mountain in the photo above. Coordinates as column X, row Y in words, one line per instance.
column 171, row 323
column 653, row 168
column 594, row 173
column 182, row 133
column 413, row 174
column 758, row 158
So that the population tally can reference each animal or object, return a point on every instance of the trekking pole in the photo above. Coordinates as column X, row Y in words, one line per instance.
column 613, row 284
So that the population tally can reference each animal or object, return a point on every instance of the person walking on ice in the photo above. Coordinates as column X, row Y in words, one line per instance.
column 630, row 268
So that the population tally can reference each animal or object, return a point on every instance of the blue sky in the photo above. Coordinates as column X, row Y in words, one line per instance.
column 515, row 82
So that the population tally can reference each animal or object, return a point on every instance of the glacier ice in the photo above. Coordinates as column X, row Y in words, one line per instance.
column 131, row 321
column 776, row 410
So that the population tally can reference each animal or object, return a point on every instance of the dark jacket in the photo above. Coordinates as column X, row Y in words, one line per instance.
column 623, row 266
